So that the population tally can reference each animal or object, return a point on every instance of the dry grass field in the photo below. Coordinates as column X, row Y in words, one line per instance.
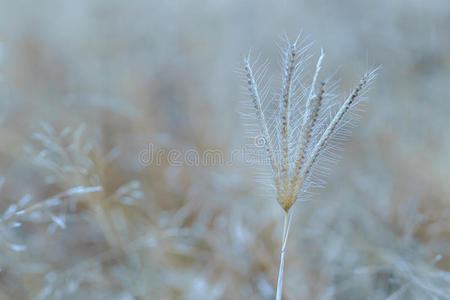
column 123, row 158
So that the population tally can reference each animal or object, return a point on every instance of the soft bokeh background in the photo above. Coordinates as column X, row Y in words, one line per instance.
column 87, row 86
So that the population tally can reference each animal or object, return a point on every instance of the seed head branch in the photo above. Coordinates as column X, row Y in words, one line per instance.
column 256, row 100
column 309, row 118
column 289, row 69
column 306, row 133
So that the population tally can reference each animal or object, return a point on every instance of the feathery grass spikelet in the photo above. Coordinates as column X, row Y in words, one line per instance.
column 304, row 130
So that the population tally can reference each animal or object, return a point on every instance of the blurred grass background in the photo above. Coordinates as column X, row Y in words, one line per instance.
column 86, row 86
